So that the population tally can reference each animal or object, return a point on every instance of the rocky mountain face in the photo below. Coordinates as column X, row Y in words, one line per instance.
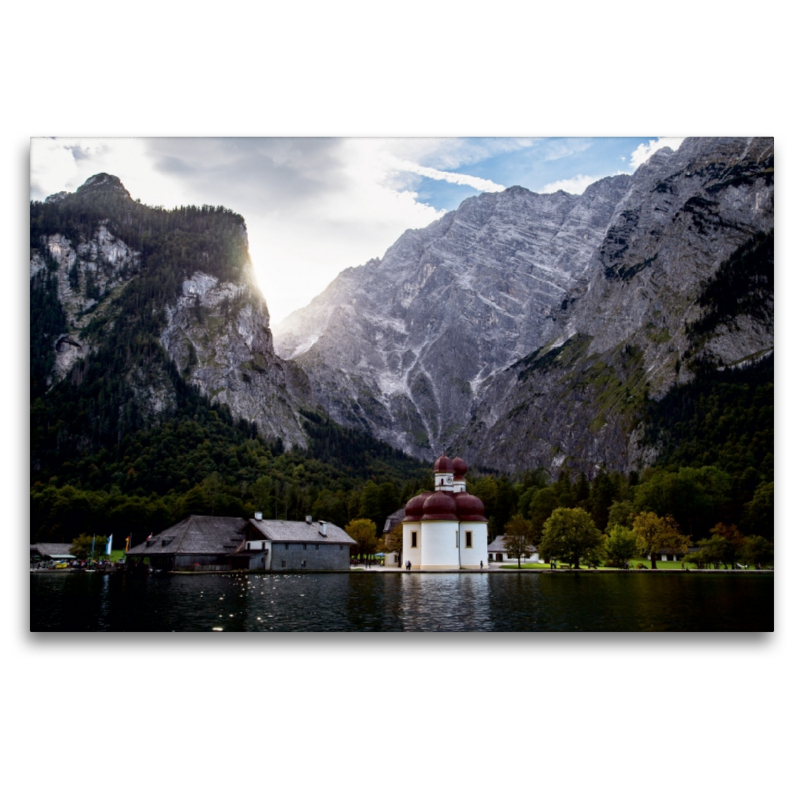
column 681, row 281
column 530, row 330
column 404, row 346
column 111, row 280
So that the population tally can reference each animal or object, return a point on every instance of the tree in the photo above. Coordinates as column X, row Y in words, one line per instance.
column 621, row 545
column 756, row 550
column 715, row 550
column 759, row 513
column 363, row 531
column 733, row 537
column 518, row 539
column 393, row 541
column 543, row 503
column 621, row 513
column 654, row 533
column 571, row 535
column 81, row 546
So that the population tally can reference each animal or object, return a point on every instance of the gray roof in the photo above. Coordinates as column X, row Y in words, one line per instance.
column 206, row 535
column 498, row 546
column 280, row 530
column 53, row 549
column 394, row 519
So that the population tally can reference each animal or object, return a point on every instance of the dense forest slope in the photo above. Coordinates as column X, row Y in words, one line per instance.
column 155, row 391
column 131, row 305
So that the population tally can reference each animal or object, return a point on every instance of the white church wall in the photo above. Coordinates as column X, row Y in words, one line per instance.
column 412, row 554
column 471, row 557
column 440, row 545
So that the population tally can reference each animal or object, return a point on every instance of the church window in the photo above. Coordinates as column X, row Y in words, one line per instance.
column 413, row 538
column 469, row 538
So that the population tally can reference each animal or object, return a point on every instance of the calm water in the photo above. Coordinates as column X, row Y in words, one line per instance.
column 402, row 602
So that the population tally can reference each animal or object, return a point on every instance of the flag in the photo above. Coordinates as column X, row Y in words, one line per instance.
column 108, row 544
column 149, row 537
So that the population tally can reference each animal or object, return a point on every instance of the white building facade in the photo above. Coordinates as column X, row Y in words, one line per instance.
column 446, row 528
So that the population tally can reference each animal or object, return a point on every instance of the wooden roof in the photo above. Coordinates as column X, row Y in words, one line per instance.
column 53, row 549
column 195, row 534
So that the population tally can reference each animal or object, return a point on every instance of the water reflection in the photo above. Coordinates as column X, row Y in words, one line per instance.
column 402, row 602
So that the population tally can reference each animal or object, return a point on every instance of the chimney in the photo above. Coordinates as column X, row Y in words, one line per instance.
column 308, row 519
column 259, row 515
column 324, row 528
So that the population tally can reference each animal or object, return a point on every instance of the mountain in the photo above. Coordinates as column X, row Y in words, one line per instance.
column 402, row 346
column 528, row 330
column 138, row 306
column 680, row 286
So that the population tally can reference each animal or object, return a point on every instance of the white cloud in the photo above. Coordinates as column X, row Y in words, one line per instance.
column 643, row 152
column 563, row 148
column 313, row 206
column 576, row 185
column 481, row 184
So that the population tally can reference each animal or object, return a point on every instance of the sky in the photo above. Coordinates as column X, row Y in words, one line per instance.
column 315, row 206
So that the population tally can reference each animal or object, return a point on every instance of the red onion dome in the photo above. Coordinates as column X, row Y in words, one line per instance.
column 414, row 507
column 460, row 467
column 469, row 507
column 443, row 464
column 440, row 505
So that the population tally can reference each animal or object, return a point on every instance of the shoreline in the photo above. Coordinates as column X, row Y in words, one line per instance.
column 393, row 571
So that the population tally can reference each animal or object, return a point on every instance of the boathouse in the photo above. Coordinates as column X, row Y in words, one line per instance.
column 51, row 551
column 200, row 543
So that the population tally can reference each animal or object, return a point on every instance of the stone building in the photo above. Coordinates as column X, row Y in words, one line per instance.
column 446, row 528
column 279, row 545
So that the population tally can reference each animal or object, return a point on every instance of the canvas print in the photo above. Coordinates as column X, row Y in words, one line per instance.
column 318, row 384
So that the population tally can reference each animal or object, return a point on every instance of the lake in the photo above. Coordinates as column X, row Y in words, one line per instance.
column 402, row 602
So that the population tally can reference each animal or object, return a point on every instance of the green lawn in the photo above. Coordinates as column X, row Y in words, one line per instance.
column 634, row 562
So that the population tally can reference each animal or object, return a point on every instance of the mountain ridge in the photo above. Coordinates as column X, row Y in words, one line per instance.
column 415, row 347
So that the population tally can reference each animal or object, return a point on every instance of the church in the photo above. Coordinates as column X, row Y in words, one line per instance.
column 446, row 528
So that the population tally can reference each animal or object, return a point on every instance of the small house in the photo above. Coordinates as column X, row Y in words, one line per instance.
column 497, row 552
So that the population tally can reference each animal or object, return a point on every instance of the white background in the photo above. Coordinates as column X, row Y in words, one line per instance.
column 644, row 716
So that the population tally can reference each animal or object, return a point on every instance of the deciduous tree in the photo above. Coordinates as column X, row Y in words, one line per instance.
column 620, row 545
column 363, row 531
column 571, row 535
column 654, row 533
column 393, row 541
column 81, row 546
column 518, row 539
